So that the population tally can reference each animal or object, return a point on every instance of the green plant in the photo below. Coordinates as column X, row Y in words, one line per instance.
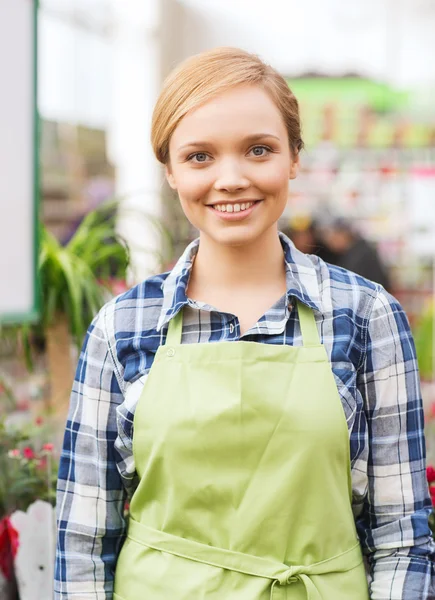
column 28, row 466
column 72, row 277
column 75, row 281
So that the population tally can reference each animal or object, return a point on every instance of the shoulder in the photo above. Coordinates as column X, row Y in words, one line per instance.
column 144, row 300
column 129, row 321
column 360, row 315
column 341, row 290
column 330, row 289
column 376, row 313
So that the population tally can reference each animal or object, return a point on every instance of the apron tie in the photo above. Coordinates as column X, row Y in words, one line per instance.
column 292, row 576
column 281, row 575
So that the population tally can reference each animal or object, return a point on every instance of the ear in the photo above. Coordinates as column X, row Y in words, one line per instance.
column 169, row 177
column 294, row 168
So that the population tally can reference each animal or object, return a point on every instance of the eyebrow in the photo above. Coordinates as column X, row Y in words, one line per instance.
column 250, row 138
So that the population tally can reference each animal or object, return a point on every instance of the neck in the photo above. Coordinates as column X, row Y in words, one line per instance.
column 218, row 266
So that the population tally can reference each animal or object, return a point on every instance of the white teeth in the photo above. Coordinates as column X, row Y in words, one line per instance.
column 233, row 207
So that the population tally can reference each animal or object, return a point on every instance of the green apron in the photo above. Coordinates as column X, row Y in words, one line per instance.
column 242, row 453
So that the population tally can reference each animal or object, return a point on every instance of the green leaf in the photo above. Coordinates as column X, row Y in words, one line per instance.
column 70, row 276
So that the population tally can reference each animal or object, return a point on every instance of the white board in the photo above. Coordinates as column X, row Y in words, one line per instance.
column 17, row 160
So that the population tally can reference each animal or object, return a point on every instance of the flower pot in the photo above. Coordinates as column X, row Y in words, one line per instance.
column 34, row 560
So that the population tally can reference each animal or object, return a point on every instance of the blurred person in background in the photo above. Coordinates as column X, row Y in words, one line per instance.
column 352, row 252
column 306, row 236
column 259, row 408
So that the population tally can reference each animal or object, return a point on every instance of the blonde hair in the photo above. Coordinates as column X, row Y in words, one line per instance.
column 203, row 76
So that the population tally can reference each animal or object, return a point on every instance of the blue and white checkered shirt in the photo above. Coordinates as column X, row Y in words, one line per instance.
column 372, row 355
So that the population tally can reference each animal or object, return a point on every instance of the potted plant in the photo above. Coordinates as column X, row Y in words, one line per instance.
column 74, row 284
column 75, row 281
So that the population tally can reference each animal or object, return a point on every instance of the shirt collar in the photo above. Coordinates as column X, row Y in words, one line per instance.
column 301, row 277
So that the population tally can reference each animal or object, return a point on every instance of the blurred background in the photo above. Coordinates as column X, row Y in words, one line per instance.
column 79, row 184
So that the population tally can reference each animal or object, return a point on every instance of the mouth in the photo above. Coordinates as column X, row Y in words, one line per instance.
column 234, row 207
column 234, row 211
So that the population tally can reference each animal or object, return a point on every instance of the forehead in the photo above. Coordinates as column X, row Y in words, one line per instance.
column 240, row 111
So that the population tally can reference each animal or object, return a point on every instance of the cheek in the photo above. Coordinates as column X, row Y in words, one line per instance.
column 192, row 185
column 274, row 181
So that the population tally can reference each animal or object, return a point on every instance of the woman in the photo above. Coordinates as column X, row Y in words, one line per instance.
column 260, row 407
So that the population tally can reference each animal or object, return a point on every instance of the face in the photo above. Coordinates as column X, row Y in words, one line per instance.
column 230, row 162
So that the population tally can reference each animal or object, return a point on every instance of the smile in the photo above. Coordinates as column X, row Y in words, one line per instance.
column 234, row 211
column 229, row 208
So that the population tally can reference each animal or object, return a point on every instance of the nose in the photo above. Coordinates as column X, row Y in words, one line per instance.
column 230, row 177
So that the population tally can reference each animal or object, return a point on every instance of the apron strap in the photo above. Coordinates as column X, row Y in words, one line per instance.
column 279, row 574
column 310, row 334
column 175, row 328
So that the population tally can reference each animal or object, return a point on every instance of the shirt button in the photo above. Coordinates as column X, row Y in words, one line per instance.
column 170, row 352
column 231, row 327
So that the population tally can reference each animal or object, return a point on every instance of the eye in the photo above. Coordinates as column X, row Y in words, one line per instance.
column 201, row 157
column 260, row 151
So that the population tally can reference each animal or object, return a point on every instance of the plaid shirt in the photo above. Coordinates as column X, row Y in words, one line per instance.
column 372, row 355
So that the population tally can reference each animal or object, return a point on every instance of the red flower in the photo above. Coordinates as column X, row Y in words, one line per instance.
column 8, row 547
column 39, row 421
column 430, row 474
column 28, row 453
column 48, row 447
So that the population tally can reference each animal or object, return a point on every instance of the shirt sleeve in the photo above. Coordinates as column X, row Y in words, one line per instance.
column 393, row 526
column 90, row 493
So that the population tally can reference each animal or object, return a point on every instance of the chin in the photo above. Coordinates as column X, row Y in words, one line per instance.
column 234, row 237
